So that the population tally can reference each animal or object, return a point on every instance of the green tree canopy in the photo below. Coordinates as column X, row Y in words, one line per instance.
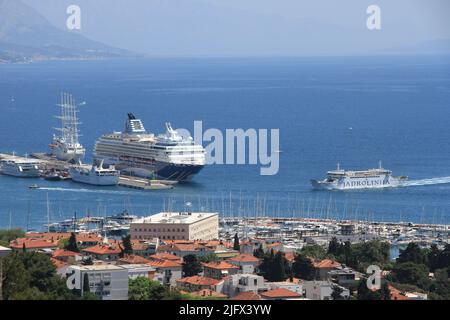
column 303, row 268
column 72, row 244
column 127, row 247
column 191, row 265
column 236, row 244
column 413, row 253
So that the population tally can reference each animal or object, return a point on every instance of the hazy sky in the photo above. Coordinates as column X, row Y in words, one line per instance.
column 255, row 27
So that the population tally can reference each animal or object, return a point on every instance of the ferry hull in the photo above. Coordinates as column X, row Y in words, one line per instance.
column 20, row 171
column 94, row 180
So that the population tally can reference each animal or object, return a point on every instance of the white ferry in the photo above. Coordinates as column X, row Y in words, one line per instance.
column 340, row 179
column 20, row 167
column 94, row 175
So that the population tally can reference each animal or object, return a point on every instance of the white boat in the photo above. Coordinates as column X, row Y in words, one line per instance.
column 340, row 179
column 20, row 167
column 95, row 175
column 169, row 156
column 67, row 147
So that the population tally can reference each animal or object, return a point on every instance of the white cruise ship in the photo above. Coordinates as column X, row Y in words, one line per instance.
column 20, row 167
column 169, row 156
column 340, row 179
column 67, row 147
column 94, row 175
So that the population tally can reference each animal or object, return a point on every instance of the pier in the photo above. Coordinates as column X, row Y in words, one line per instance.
column 144, row 184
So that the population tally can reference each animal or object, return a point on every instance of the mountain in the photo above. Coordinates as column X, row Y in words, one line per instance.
column 25, row 35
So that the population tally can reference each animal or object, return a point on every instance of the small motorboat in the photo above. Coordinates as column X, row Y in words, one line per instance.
column 34, row 186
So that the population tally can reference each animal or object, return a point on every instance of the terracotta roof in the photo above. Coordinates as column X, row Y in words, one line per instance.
column 244, row 257
column 133, row 259
column 59, row 253
column 199, row 280
column 397, row 294
column 88, row 237
column 208, row 293
column 31, row 243
column 249, row 295
column 103, row 249
column 58, row 263
column 165, row 256
column 327, row 263
column 280, row 293
column 220, row 265
column 164, row 263
column 53, row 236
column 139, row 245
column 190, row 247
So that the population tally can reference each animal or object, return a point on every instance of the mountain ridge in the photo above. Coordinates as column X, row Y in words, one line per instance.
column 26, row 35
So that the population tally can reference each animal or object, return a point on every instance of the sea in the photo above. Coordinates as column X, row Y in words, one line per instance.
column 352, row 110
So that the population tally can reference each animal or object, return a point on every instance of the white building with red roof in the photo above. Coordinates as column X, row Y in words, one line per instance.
column 196, row 283
column 219, row 269
column 247, row 263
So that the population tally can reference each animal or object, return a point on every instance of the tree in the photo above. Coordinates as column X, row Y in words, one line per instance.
column 412, row 253
column 410, row 272
column 274, row 267
column 314, row 251
column 30, row 275
column 433, row 257
column 191, row 265
column 336, row 294
column 385, row 291
column 348, row 255
column 142, row 288
column 303, row 268
column 236, row 245
column 364, row 293
column 72, row 244
column 6, row 236
column 210, row 257
column 333, row 247
column 127, row 247
column 259, row 252
column 86, row 288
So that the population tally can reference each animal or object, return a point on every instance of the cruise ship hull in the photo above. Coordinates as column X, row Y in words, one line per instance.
column 166, row 171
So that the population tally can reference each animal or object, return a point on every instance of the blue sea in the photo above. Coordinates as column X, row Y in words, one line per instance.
column 352, row 110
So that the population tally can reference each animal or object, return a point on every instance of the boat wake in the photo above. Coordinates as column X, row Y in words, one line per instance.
column 426, row 182
column 88, row 190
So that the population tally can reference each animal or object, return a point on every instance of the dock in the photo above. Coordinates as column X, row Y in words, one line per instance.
column 144, row 184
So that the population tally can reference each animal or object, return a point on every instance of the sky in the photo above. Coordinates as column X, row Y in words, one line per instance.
column 256, row 27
